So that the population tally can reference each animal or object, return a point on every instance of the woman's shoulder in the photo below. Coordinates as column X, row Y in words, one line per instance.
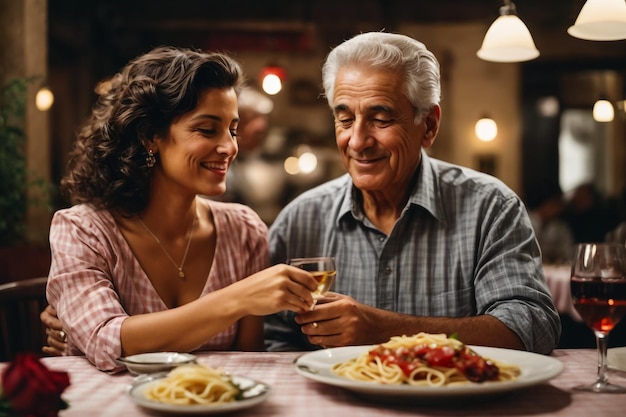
column 84, row 214
column 84, row 223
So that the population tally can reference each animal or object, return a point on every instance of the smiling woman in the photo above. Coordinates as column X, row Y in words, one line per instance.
column 142, row 262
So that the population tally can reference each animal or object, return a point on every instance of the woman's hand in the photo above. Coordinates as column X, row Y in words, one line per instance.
column 277, row 288
column 57, row 338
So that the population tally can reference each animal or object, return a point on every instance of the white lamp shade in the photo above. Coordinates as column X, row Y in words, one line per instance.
column 600, row 20
column 603, row 111
column 508, row 40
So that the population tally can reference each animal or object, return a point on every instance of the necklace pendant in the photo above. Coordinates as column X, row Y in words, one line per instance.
column 181, row 273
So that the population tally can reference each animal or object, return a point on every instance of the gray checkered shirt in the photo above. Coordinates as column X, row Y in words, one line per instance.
column 463, row 246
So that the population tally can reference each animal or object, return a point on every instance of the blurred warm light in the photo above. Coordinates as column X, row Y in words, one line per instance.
column 272, row 79
column 292, row 165
column 263, row 179
column 307, row 162
column 272, row 84
column 548, row 106
column 508, row 39
column 486, row 129
column 44, row 99
column 600, row 20
column 603, row 111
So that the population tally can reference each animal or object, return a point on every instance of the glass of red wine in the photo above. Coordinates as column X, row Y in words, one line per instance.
column 598, row 286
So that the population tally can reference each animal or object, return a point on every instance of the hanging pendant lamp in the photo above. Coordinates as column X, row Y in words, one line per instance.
column 508, row 38
column 600, row 20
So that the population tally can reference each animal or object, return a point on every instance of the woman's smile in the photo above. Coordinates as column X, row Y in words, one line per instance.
column 219, row 168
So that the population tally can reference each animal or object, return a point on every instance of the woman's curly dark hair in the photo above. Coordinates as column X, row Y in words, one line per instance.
column 107, row 166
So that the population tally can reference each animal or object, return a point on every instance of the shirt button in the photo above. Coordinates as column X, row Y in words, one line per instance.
column 381, row 239
column 388, row 270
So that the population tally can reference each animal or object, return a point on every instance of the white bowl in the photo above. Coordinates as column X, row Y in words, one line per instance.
column 148, row 363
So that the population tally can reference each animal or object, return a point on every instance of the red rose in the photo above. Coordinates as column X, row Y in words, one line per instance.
column 31, row 389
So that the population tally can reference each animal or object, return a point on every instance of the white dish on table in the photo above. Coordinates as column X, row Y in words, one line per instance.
column 149, row 363
column 252, row 393
column 535, row 369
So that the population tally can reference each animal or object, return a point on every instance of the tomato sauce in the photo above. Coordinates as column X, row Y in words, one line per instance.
column 473, row 366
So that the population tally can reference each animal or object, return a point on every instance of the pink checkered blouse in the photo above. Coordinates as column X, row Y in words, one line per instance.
column 96, row 282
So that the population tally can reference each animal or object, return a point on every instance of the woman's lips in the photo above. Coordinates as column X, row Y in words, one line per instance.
column 217, row 167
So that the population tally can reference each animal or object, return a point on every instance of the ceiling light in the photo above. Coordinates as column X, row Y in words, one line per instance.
column 508, row 38
column 600, row 20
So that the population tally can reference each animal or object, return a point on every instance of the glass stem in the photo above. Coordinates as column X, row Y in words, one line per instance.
column 601, row 341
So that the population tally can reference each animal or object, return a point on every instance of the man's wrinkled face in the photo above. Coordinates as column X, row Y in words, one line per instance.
column 380, row 143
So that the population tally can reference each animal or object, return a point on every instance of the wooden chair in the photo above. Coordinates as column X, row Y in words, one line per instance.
column 21, row 329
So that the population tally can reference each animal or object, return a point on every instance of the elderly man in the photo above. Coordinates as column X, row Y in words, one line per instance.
column 421, row 245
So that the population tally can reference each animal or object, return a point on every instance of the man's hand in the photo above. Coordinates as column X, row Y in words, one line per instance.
column 339, row 320
column 57, row 338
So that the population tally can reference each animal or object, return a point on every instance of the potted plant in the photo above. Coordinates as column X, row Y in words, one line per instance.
column 18, row 258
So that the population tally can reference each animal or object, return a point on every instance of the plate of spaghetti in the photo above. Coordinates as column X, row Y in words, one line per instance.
column 427, row 367
column 197, row 389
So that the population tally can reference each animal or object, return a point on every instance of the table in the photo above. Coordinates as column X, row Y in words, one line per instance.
column 94, row 393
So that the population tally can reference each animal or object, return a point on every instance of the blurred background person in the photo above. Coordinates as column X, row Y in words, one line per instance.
column 255, row 178
column 618, row 234
column 254, row 110
column 546, row 207
column 590, row 216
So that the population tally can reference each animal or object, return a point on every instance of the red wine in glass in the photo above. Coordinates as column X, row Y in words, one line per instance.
column 598, row 287
column 600, row 302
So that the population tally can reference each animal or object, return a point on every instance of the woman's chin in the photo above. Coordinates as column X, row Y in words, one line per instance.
column 214, row 192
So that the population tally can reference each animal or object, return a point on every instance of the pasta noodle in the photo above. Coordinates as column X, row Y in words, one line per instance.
column 425, row 360
column 193, row 384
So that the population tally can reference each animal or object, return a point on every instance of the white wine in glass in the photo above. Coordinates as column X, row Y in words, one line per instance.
column 323, row 270
column 598, row 287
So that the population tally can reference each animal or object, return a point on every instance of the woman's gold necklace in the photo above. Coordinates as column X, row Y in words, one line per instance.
column 189, row 234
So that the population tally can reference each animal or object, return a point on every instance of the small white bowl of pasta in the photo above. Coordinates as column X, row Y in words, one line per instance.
column 197, row 389
column 149, row 363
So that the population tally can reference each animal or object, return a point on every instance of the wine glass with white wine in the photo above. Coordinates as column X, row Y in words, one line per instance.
column 323, row 270
column 598, row 286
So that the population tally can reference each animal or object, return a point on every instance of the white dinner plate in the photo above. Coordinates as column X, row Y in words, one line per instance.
column 616, row 358
column 535, row 369
column 253, row 393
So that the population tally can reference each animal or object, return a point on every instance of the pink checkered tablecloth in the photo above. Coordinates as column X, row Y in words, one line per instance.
column 93, row 393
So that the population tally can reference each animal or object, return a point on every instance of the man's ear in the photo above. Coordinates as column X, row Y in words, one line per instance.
column 432, row 126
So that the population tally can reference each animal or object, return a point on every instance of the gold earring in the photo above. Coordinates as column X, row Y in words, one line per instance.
column 150, row 159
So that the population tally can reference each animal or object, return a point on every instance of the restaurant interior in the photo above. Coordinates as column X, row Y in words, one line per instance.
column 547, row 139
column 542, row 107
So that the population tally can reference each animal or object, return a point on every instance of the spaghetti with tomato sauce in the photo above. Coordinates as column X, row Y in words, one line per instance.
column 424, row 359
